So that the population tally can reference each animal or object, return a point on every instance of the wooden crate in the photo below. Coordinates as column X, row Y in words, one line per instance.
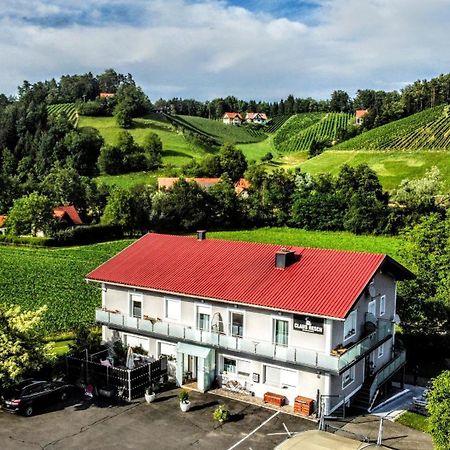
column 274, row 399
column 304, row 405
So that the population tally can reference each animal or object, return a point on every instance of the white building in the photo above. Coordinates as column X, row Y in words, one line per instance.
column 311, row 322
column 232, row 118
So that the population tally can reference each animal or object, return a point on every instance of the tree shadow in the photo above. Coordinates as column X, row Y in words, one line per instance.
column 164, row 398
column 176, row 153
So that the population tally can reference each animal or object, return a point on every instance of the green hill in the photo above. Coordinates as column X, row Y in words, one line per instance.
column 67, row 108
column 429, row 129
column 220, row 132
column 301, row 130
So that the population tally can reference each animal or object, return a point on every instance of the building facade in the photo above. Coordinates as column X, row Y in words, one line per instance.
column 158, row 294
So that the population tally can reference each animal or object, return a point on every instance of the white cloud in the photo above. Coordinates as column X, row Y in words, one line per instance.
column 206, row 49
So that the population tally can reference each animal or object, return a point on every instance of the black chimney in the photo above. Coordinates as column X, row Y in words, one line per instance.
column 284, row 258
column 201, row 235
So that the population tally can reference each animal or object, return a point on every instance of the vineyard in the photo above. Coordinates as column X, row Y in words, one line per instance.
column 276, row 123
column 220, row 132
column 67, row 108
column 298, row 133
column 54, row 277
column 429, row 129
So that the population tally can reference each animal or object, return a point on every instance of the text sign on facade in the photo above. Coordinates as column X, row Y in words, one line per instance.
column 308, row 324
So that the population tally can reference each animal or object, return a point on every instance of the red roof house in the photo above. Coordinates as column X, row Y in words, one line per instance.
column 252, row 117
column 359, row 115
column 168, row 182
column 232, row 118
column 67, row 214
column 106, row 94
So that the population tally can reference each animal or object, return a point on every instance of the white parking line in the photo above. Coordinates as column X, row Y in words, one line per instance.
column 254, row 431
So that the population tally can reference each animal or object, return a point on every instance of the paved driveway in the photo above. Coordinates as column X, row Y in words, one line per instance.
column 160, row 425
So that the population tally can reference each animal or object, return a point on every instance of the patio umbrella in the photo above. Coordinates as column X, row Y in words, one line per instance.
column 130, row 359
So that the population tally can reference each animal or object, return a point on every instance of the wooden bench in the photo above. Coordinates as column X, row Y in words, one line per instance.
column 274, row 399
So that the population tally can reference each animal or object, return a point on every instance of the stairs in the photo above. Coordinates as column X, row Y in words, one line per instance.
column 361, row 400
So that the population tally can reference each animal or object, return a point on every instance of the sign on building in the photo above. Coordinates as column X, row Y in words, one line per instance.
column 308, row 324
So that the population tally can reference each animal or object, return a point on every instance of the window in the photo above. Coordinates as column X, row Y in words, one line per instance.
column 348, row 377
column 237, row 366
column 229, row 365
column 372, row 308
column 236, row 324
column 167, row 349
column 280, row 331
column 380, row 350
column 278, row 377
column 173, row 309
column 204, row 318
column 382, row 305
column 350, row 326
column 136, row 306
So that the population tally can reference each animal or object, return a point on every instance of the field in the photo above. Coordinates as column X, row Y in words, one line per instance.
column 275, row 123
column 176, row 149
column 391, row 166
column 223, row 133
column 54, row 277
column 67, row 108
column 298, row 133
column 127, row 180
column 429, row 129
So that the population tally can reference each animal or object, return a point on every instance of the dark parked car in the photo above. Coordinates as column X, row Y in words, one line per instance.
column 30, row 395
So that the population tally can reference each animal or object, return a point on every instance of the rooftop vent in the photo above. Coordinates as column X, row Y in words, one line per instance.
column 201, row 235
column 284, row 258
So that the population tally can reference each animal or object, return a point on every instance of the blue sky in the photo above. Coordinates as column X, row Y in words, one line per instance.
column 202, row 49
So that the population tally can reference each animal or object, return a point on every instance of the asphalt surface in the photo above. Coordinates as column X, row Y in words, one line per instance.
column 77, row 424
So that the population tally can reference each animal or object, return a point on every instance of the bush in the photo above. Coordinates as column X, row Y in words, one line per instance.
column 221, row 414
column 26, row 240
column 87, row 234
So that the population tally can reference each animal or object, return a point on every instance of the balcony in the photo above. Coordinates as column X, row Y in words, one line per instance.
column 262, row 349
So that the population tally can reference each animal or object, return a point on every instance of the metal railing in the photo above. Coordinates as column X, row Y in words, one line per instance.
column 290, row 354
column 388, row 370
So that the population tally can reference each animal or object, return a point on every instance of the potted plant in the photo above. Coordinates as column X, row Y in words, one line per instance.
column 150, row 394
column 185, row 404
column 221, row 414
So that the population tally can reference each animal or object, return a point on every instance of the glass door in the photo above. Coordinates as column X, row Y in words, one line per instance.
column 280, row 331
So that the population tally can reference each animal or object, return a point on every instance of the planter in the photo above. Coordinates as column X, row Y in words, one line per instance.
column 149, row 398
column 185, row 406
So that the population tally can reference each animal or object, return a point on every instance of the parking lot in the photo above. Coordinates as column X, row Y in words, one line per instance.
column 77, row 424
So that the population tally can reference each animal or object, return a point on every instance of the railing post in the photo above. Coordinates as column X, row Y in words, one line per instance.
column 184, row 333
column 201, row 335
column 295, row 354
column 168, row 329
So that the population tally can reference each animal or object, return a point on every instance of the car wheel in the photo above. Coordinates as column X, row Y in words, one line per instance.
column 64, row 396
column 28, row 411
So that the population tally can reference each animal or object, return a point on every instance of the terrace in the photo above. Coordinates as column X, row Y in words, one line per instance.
column 262, row 349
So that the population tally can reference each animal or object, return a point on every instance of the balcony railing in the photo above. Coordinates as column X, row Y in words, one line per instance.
column 387, row 371
column 289, row 354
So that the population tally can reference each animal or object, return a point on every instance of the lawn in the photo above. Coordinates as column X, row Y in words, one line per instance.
column 414, row 420
column 33, row 277
column 176, row 149
column 256, row 150
column 321, row 239
column 391, row 166
column 128, row 180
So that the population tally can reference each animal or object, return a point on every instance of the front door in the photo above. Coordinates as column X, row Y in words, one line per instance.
column 191, row 368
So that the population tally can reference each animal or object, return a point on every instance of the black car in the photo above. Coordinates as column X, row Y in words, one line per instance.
column 30, row 395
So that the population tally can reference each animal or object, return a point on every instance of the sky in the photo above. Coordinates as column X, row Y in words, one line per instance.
column 253, row 49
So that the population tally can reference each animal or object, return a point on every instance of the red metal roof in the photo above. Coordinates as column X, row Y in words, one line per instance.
column 322, row 282
column 70, row 211
column 360, row 113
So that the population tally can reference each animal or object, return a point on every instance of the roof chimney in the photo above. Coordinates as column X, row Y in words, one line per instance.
column 284, row 258
column 201, row 235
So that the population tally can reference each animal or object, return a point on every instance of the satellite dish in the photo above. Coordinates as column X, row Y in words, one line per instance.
column 372, row 291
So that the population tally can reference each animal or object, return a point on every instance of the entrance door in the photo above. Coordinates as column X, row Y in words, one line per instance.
column 191, row 368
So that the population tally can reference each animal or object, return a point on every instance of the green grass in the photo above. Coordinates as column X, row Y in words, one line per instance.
column 414, row 420
column 128, row 180
column 224, row 133
column 391, row 166
column 320, row 239
column 176, row 149
column 256, row 150
column 429, row 129
column 55, row 277
column 62, row 347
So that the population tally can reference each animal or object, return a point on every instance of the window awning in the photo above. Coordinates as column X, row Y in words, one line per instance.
column 193, row 350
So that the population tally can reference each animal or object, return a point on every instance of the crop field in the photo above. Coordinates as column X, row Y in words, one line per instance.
column 224, row 133
column 67, row 108
column 429, row 129
column 391, row 166
column 300, row 131
column 176, row 149
column 55, row 277
column 276, row 123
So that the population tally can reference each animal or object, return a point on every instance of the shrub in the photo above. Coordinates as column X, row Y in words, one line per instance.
column 87, row 234
column 183, row 396
column 221, row 414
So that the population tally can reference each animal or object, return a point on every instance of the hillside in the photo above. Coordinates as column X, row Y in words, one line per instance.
column 301, row 130
column 66, row 108
column 429, row 129
column 391, row 166
column 220, row 132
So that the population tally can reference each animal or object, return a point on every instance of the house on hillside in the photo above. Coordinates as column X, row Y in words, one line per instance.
column 242, row 186
column 168, row 182
column 359, row 116
column 281, row 324
column 67, row 216
column 232, row 118
column 259, row 118
column 2, row 224
column 106, row 94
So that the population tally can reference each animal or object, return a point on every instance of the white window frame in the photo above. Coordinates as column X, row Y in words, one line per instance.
column 286, row 319
column 175, row 300
column 196, row 317
column 158, row 348
column 351, row 373
column 125, row 337
column 380, row 351
column 239, row 361
column 282, row 370
column 237, row 311
column 140, row 299
column 372, row 307
column 382, row 305
column 354, row 314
